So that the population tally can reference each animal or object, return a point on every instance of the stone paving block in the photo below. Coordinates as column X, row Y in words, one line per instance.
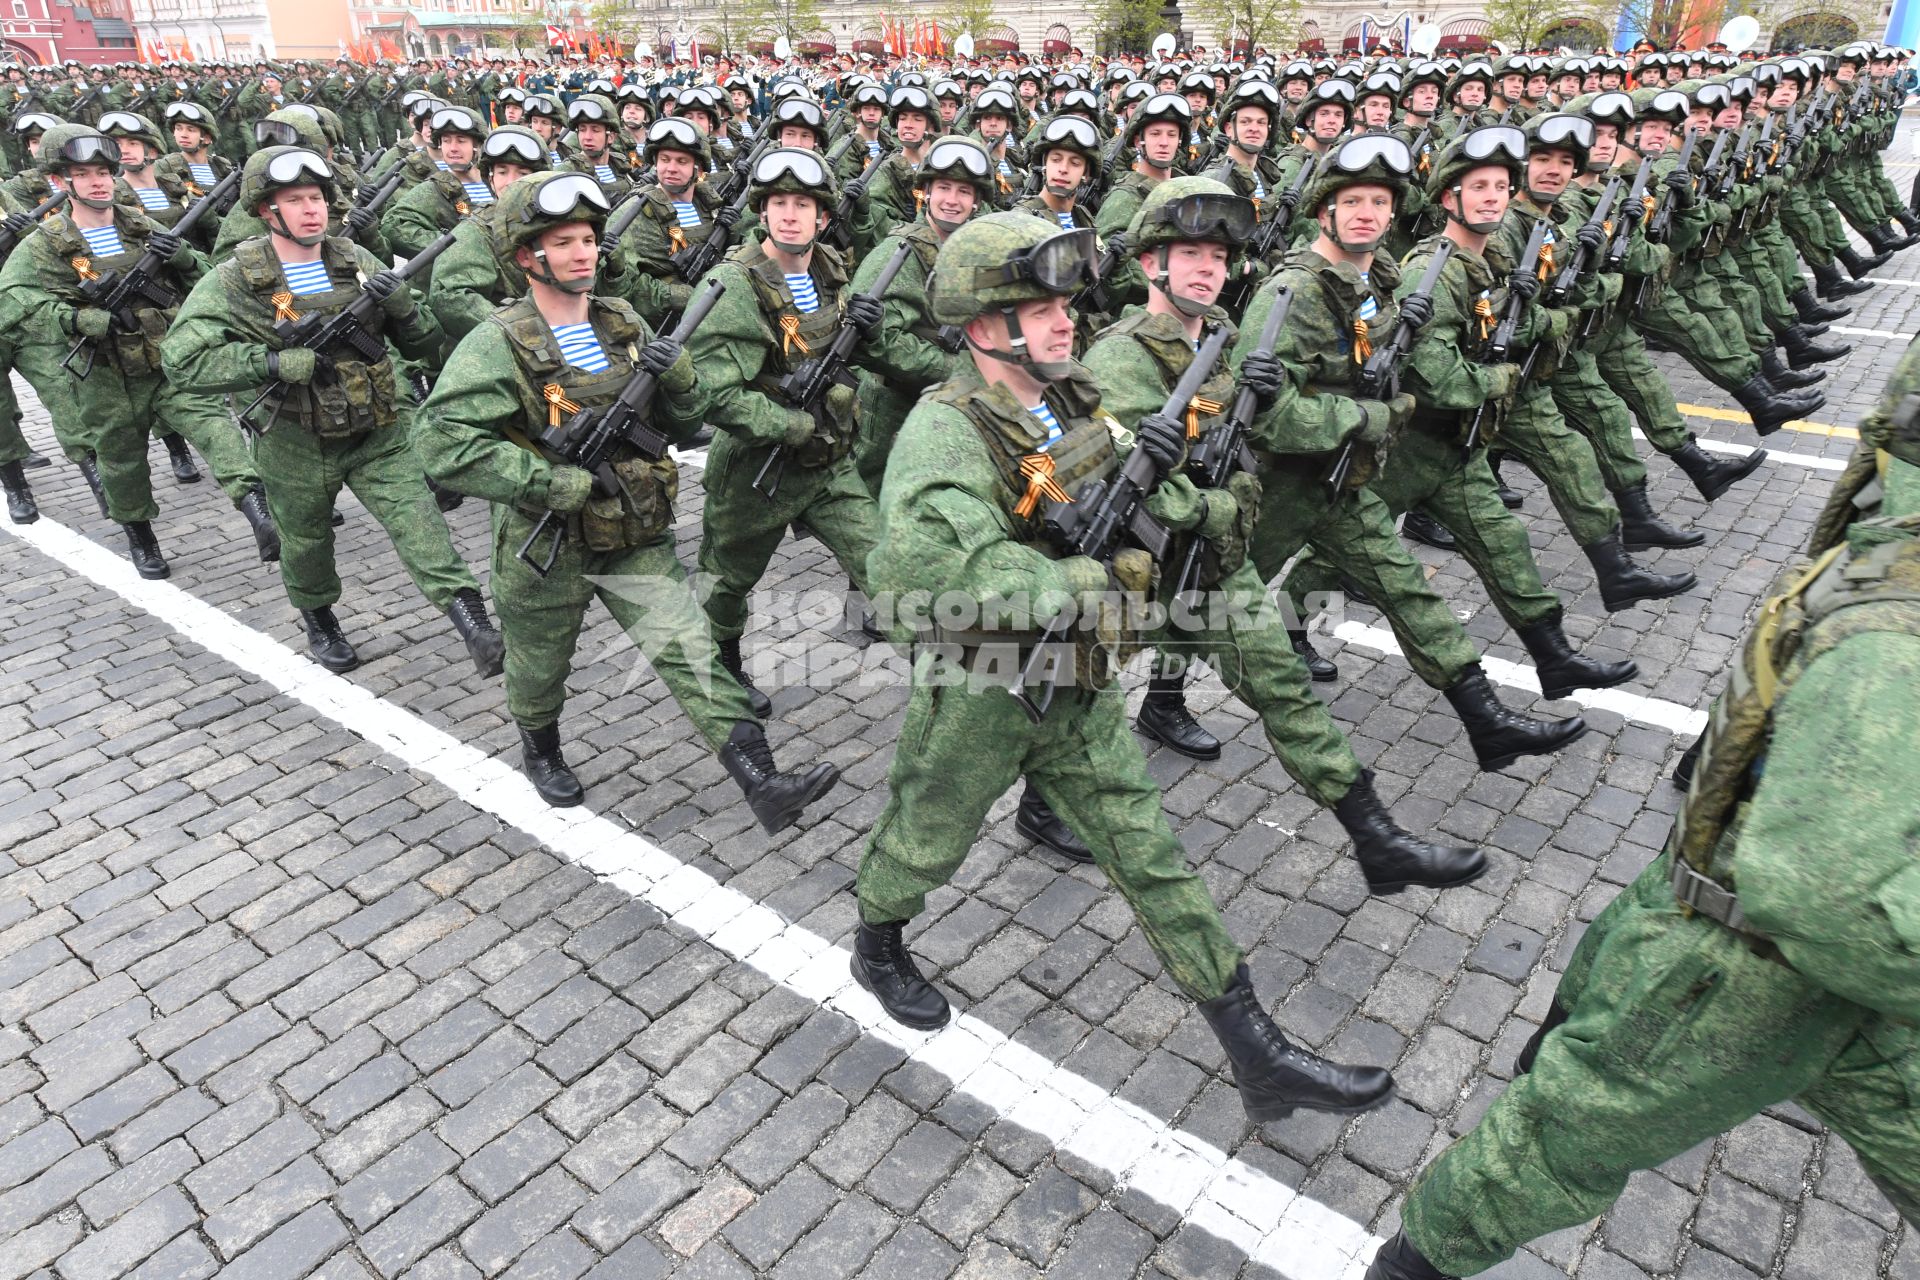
column 129, row 1239
column 785, row 1137
column 633, row 1201
column 504, row 1232
column 1040, row 1216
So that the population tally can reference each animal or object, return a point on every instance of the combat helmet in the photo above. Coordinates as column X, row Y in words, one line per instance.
column 795, row 171
column 130, row 124
column 1185, row 211
column 533, row 206
column 996, row 263
column 66, row 145
column 677, row 133
column 513, row 144
column 1557, row 131
column 271, row 170
column 1498, row 145
column 958, row 159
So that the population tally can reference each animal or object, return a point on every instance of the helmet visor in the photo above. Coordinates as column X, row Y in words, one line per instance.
column 1211, row 215
column 803, row 167
column 952, row 153
column 1565, row 131
column 1495, row 143
column 586, row 109
column 561, row 196
column 275, row 133
column 90, row 149
column 1077, row 131
column 456, row 120
column 1064, row 262
column 513, row 147
column 1613, row 107
column 1357, row 155
column 676, row 133
column 298, row 168
column 121, row 122
column 191, row 112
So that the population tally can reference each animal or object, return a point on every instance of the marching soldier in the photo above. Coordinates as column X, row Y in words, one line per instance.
column 558, row 351
column 469, row 278
column 330, row 418
column 430, row 209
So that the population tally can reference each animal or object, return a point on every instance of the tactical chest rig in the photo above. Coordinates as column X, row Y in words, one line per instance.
column 792, row 336
column 359, row 398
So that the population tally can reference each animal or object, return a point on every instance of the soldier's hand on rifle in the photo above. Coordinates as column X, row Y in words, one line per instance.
column 1504, row 378
column 865, row 312
column 1680, row 184
column 1376, row 422
column 357, row 222
column 166, row 244
column 1264, row 375
column 1415, row 311
column 568, row 488
column 92, row 322
column 391, row 292
column 1164, row 439
column 1589, row 237
column 661, row 355
column 16, row 224
column 297, row 366
column 1524, row 284
column 799, row 429
column 1402, row 407
column 856, row 190
column 726, row 216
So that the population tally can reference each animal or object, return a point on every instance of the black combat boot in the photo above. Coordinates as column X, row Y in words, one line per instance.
column 1164, row 718
column 1908, row 219
column 1814, row 311
column 443, row 497
column 1319, row 666
column 730, row 659
column 468, row 613
column 327, row 642
column 1561, row 669
column 1509, row 497
column 20, row 505
column 90, row 472
column 1886, row 240
column 1642, row 529
column 1422, row 527
column 1782, row 376
column 1623, row 583
column 882, row 965
column 1399, row 1260
column 546, row 768
column 1858, row 266
column 1393, row 858
column 253, row 506
column 1499, row 734
column 1036, row 820
column 776, row 798
column 1714, row 476
column 1274, row 1075
column 1802, row 350
column 1833, row 284
column 1770, row 409
column 144, row 550
column 182, row 459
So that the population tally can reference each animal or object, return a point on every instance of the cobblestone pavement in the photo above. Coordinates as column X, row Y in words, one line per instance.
column 296, row 979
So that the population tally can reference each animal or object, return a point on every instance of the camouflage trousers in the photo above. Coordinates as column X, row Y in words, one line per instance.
column 13, row 445
column 1354, row 537
column 960, row 748
column 1802, row 219
column 1242, row 637
column 1590, row 406
column 1690, row 316
column 203, row 421
column 644, row 588
column 1428, row 472
column 1536, row 434
column 741, row 530
column 1620, row 353
column 107, row 418
column 1856, row 197
column 1677, row 1031
column 303, row 476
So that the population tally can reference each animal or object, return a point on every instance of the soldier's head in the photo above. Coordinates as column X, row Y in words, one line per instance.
column 32, row 128
column 1557, row 149
column 1355, row 191
column 1326, row 112
column 799, row 122
column 953, row 183
column 636, row 109
column 1197, row 88
column 870, row 105
column 457, row 134
column 81, row 161
column 793, row 191
column 677, row 150
column 911, row 112
column 551, row 226
column 292, row 190
column 1159, row 129
column 1470, row 85
column 698, row 105
column 289, row 128
column 1475, row 175
column 594, row 121
column 1009, row 278
column 543, row 116
column 191, row 126
column 1186, row 236
column 1657, row 114
column 1421, row 92
column 1375, row 99
column 139, row 138
column 993, row 115
column 1067, row 151
column 1249, row 116
column 1612, row 113
column 511, row 152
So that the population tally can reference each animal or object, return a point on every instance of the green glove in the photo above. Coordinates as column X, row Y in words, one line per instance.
column 92, row 322
column 295, row 365
column 568, row 488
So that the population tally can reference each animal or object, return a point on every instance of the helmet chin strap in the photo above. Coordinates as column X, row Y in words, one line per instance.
column 283, row 230
column 91, row 202
column 1478, row 228
column 945, row 227
column 793, row 250
column 1332, row 228
column 1163, row 281
column 545, row 276
column 1044, row 371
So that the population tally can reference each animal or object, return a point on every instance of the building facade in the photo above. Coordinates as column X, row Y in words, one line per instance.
column 52, row 31
column 235, row 30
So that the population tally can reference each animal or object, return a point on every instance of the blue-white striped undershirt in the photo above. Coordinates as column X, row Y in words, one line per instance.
column 202, row 174
column 1006, row 170
column 604, row 172
column 805, row 300
column 304, row 278
column 873, row 149
column 1047, row 420
column 152, row 197
column 443, row 166
column 581, row 347
column 104, row 241
column 477, row 192
column 1259, row 188
column 1065, row 220
column 687, row 212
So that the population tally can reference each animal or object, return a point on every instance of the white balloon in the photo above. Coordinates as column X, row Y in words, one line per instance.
column 964, row 45
column 1740, row 33
column 1163, row 44
column 782, row 48
column 1424, row 40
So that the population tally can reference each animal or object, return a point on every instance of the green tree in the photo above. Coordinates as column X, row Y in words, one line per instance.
column 1519, row 24
column 1270, row 24
column 770, row 19
column 961, row 17
column 1127, row 26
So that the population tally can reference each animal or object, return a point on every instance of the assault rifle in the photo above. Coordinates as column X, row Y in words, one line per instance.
column 740, row 174
column 8, row 240
column 1378, row 378
column 1267, row 237
column 1662, row 220
column 372, row 198
column 1633, row 210
column 324, row 334
column 1715, row 168
column 119, row 292
column 806, row 387
column 1740, row 167
column 1581, row 263
column 1094, row 297
column 74, row 111
column 1091, row 525
column 623, row 216
column 1499, row 345
column 839, row 232
column 1224, row 450
column 590, row 437
column 696, row 260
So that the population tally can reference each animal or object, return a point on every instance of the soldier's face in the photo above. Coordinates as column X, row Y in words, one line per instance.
column 1472, row 94
column 457, row 150
column 910, row 127
column 1784, row 95
column 1065, row 169
column 1537, row 88
column 542, row 125
column 1197, row 271
column 1326, row 122
column 1481, row 196
column 1160, row 143
column 1423, row 99
column 1512, row 86
column 675, row 169
column 1199, row 103
column 1654, row 136
column 951, row 201
column 515, row 113
column 135, row 154
column 1730, row 116
column 1361, row 214
column 797, row 135
column 272, row 84
column 1296, row 90
column 302, row 210
column 992, row 128
column 1609, row 79
column 86, row 181
column 1699, row 119
column 593, row 137
column 1606, row 144
column 505, row 174
column 1251, row 127
column 1567, row 86
column 792, row 218
column 949, row 110
column 1377, row 111
column 572, row 252
column 1549, row 172
column 188, row 137
column 870, row 113
column 1046, row 324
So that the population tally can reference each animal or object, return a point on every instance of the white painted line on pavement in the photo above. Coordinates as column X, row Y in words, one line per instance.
column 1873, row 279
column 1870, row 333
column 1773, row 454
column 1268, row 1220
column 1658, row 712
